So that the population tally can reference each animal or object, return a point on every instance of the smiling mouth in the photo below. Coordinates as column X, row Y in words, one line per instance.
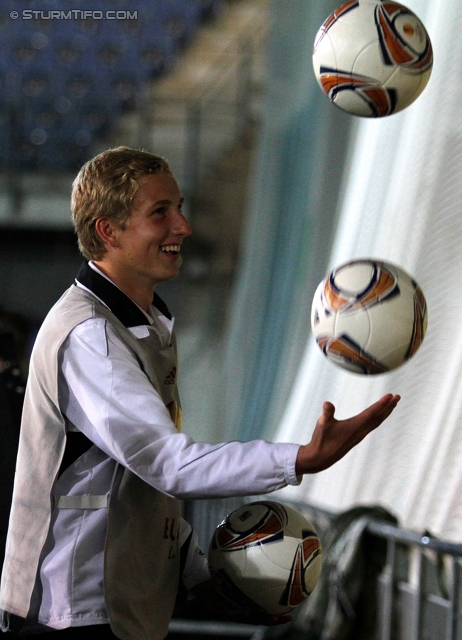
column 173, row 249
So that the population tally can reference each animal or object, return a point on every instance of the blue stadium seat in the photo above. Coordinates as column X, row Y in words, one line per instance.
column 180, row 18
column 210, row 8
column 97, row 120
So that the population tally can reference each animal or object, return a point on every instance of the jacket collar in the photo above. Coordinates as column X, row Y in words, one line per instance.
column 120, row 304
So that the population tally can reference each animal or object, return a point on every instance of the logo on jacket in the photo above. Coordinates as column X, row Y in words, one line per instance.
column 171, row 377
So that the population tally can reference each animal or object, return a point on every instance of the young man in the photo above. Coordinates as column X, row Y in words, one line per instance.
column 95, row 531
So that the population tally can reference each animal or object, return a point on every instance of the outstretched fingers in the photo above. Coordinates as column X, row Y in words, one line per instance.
column 332, row 438
column 374, row 415
column 371, row 417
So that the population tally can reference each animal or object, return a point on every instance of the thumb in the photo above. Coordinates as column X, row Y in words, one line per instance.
column 328, row 410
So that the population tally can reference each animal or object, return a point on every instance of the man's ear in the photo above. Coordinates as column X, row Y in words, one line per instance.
column 107, row 230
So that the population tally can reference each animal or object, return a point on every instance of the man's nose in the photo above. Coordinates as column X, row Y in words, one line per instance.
column 182, row 226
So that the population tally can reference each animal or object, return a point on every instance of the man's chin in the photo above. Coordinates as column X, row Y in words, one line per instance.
column 175, row 269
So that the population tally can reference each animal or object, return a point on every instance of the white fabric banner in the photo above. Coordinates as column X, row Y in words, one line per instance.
column 402, row 202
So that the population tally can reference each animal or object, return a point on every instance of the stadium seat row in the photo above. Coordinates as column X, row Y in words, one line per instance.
column 66, row 76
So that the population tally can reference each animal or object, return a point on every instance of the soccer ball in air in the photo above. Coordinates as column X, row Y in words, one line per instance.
column 372, row 58
column 369, row 316
column 265, row 557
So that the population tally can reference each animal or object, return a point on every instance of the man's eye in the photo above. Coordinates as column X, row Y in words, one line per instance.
column 161, row 211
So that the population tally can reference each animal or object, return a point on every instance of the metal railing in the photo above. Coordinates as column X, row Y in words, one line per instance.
column 420, row 586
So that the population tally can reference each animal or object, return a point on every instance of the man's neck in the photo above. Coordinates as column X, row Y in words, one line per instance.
column 141, row 295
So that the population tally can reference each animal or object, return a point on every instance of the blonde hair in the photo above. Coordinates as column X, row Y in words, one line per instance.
column 105, row 187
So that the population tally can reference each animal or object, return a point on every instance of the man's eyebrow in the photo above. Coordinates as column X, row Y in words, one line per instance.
column 166, row 201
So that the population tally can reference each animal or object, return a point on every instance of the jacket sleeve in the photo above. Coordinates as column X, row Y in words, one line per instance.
column 107, row 396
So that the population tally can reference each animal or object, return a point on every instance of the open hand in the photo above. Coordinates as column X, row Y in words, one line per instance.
column 333, row 438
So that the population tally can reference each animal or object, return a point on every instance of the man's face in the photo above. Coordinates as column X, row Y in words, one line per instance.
column 149, row 246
